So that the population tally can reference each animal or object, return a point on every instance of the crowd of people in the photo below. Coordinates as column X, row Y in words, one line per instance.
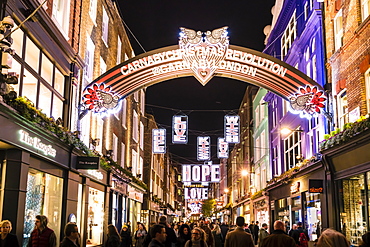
column 196, row 234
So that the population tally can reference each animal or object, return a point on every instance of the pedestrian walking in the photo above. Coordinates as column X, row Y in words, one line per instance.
column 198, row 238
column 71, row 236
column 7, row 239
column 126, row 239
column 278, row 237
column 158, row 233
column 300, row 235
column 262, row 234
column 42, row 236
column 140, row 235
column 217, row 236
column 209, row 237
column 184, row 235
column 171, row 235
column 256, row 230
column 332, row 238
column 114, row 239
column 239, row 237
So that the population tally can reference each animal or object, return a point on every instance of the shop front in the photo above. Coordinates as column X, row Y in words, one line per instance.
column 261, row 210
column 350, row 179
column 135, row 201
column 118, row 201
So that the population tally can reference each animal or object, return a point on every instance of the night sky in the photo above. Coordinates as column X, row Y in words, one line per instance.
column 155, row 24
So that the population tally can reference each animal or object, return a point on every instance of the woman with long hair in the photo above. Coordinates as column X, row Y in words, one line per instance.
column 114, row 240
column 184, row 235
column 198, row 238
column 7, row 239
column 140, row 234
column 216, row 232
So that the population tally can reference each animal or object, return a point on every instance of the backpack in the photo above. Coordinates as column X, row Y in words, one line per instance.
column 303, row 241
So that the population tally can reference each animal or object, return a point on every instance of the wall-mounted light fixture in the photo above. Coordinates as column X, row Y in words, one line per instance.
column 287, row 131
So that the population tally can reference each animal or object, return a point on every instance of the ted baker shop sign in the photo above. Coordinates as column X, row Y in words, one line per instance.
column 36, row 143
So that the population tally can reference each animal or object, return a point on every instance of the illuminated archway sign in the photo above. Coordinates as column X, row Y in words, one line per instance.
column 204, row 55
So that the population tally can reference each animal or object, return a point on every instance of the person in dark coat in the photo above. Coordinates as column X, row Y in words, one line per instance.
column 171, row 235
column 224, row 229
column 209, row 237
column 158, row 233
column 296, row 233
column 184, row 235
column 7, row 239
column 278, row 237
column 71, row 235
column 126, row 239
column 262, row 234
column 217, row 236
column 239, row 237
column 114, row 240
column 365, row 240
column 256, row 230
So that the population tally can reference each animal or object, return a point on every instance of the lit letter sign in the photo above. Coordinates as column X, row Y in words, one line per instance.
column 201, row 173
column 196, row 193
column 204, row 150
column 159, row 141
column 37, row 144
column 222, row 148
column 179, row 129
column 232, row 129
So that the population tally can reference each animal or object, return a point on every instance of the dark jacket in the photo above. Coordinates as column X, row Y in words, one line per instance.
column 224, row 230
column 113, row 241
column 126, row 239
column 155, row 243
column 171, row 236
column 68, row 243
column 10, row 241
column 238, row 237
column 217, row 238
column 44, row 238
column 278, row 238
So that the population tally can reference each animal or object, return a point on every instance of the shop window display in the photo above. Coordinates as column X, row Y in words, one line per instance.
column 313, row 215
column 43, row 197
column 353, row 209
column 95, row 216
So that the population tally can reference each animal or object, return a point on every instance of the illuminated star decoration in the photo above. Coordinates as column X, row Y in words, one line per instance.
column 99, row 98
column 309, row 101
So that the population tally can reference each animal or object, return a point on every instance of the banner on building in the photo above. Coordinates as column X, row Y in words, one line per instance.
column 222, row 148
column 204, row 148
column 232, row 129
column 159, row 141
column 180, row 129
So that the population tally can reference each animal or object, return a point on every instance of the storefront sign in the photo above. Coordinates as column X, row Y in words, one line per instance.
column 36, row 143
column 196, row 193
column 84, row 162
column 222, row 148
column 96, row 174
column 135, row 194
column 201, row 173
column 204, row 148
column 159, row 141
column 316, row 186
column 231, row 129
column 294, row 188
column 180, row 129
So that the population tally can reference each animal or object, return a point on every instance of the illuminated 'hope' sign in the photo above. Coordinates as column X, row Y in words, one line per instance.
column 201, row 173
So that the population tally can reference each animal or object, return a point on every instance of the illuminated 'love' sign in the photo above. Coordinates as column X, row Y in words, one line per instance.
column 179, row 129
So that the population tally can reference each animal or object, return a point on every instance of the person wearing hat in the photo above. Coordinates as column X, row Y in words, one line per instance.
column 126, row 239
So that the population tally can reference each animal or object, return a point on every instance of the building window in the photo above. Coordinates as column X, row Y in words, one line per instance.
column 262, row 109
column 123, row 154
column 142, row 101
column 289, row 35
column 275, row 161
column 314, row 68
column 365, row 9
column 306, row 10
column 141, row 136
column 338, row 30
column 292, row 148
column 342, row 106
column 95, row 217
column 44, row 196
column 103, row 66
column 135, row 127
column 105, row 25
column 257, row 152
column 134, row 162
column 257, row 115
column 119, row 50
column 92, row 10
column 115, row 148
column 136, row 96
column 263, row 143
column 89, row 60
column 367, row 86
column 42, row 82
column 61, row 14
column 124, row 111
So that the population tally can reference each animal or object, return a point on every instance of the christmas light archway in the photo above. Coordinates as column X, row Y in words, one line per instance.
column 204, row 55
